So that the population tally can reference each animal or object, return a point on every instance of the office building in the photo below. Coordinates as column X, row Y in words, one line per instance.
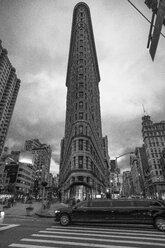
column 9, row 87
column 154, row 141
column 83, row 162
column 41, row 160
column 127, row 184
column 16, row 177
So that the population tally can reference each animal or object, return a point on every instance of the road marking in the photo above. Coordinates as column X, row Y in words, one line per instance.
column 107, row 231
column 92, row 238
column 82, row 244
column 7, row 226
column 98, row 235
column 91, row 244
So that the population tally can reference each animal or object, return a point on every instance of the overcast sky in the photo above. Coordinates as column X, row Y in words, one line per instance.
column 36, row 34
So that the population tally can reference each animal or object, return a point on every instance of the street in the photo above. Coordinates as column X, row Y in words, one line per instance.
column 34, row 232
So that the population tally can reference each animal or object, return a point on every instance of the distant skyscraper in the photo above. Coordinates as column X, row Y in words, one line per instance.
column 42, row 158
column 9, row 87
column 154, row 140
column 84, row 160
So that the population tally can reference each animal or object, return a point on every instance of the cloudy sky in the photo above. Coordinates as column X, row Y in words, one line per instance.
column 36, row 34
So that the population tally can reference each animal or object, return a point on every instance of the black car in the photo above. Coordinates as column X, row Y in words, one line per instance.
column 135, row 211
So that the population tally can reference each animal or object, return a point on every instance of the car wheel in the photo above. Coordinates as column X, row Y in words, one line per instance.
column 159, row 223
column 64, row 220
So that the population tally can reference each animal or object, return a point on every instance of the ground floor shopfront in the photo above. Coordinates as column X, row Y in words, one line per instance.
column 81, row 192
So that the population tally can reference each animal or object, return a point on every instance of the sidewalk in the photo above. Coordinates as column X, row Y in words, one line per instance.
column 19, row 209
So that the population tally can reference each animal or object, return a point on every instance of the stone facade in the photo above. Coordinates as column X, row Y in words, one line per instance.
column 154, row 141
column 84, row 161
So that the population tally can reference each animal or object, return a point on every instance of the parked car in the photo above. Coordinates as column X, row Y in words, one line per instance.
column 131, row 211
column 2, row 213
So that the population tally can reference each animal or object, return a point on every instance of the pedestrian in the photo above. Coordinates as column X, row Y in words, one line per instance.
column 12, row 201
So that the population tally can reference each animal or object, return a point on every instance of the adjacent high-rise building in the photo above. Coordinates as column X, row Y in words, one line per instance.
column 9, row 87
column 41, row 160
column 84, row 161
column 154, row 141
column 15, row 177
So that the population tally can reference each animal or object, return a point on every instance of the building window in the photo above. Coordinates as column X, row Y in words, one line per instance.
column 80, row 162
column 81, row 85
column 87, row 145
column 80, row 115
column 80, row 105
column 80, row 129
column 74, row 162
column 86, row 131
column 81, row 94
column 74, row 145
column 80, row 144
column 80, row 178
column 87, row 161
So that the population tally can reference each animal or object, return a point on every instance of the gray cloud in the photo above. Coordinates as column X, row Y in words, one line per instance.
column 36, row 34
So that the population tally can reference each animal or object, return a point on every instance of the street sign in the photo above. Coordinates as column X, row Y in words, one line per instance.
column 157, row 28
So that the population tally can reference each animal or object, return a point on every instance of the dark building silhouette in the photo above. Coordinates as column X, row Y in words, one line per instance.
column 84, row 159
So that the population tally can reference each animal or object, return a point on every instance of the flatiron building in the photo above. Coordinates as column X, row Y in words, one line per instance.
column 84, row 160
column 9, row 87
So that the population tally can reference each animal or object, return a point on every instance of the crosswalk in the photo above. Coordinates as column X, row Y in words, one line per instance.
column 97, row 237
column 7, row 226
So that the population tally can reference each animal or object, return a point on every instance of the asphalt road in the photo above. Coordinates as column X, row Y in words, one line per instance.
column 45, row 233
column 13, row 229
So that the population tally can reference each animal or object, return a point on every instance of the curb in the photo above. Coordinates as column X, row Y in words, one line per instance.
column 18, row 216
column 44, row 216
